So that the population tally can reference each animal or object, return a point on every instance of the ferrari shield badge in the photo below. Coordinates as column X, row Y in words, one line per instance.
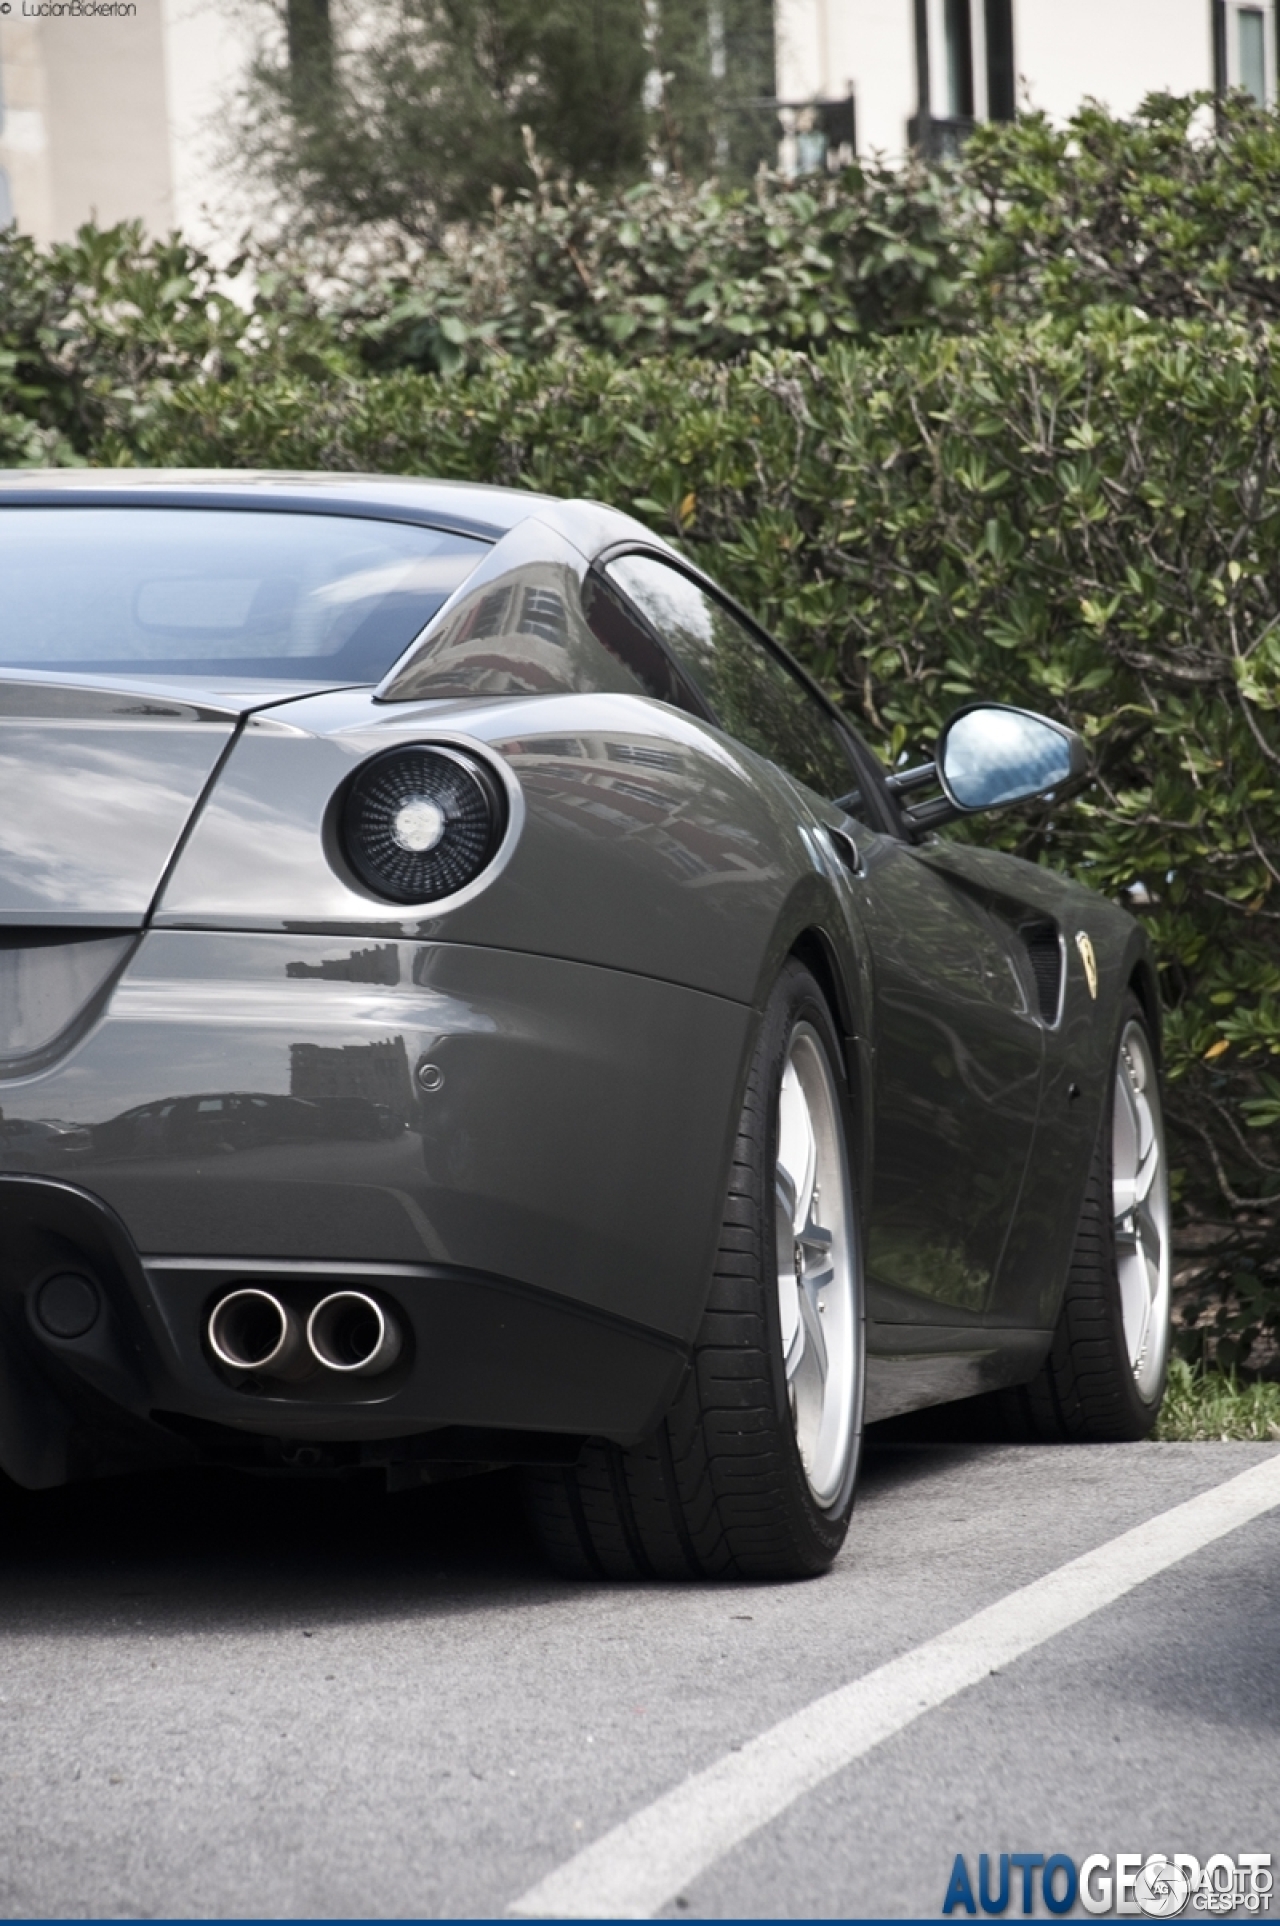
column 1090, row 962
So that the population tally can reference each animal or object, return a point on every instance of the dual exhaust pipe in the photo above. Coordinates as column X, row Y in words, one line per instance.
column 348, row 1332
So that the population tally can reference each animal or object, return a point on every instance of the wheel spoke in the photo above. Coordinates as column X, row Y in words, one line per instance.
column 1135, row 1295
column 1132, row 1191
column 816, row 1303
column 784, row 1193
column 1140, row 1206
column 1150, row 1234
column 1126, row 1141
column 1137, row 1228
column 1147, row 1172
column 813, row 1353
column 797, row 1151
column 795, row 1348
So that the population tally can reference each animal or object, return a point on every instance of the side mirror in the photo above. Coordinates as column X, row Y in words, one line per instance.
column 989, row 754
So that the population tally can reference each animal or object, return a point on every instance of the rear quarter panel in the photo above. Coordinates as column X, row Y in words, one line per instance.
column 645, row 840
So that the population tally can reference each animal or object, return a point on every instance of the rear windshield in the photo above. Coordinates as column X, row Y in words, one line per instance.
column 205, row 591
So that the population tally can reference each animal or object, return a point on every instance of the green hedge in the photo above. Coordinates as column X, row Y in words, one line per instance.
column 95, row 332
column 1034, row 220
column 1171, row 211
column 1083, row 519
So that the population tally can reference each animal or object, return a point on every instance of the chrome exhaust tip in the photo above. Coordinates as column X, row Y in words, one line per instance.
column 251, row 1330
column 350, row 1332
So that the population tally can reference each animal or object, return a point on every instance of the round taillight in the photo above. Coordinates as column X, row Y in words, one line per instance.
column 422, row 822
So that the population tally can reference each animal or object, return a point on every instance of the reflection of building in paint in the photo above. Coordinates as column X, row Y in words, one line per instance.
column 378, row 965
column 521, row 635
column 511, row 638
column 606, row 787
column 374, row 1072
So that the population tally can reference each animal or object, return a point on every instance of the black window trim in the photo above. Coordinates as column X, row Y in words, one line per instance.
column 864, row 762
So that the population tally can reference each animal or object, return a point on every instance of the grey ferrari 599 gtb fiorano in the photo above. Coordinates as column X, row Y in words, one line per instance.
column 467, row 999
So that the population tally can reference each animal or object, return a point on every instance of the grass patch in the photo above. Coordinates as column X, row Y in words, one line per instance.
column 1200, row 1404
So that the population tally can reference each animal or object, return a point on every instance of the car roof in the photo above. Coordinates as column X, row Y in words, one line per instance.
column 470, row 508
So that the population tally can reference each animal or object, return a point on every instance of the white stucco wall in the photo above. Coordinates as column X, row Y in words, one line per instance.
column 1114, row 50
column 121, row 118
column 23, row 129
column 827, row 46
column 207, row 49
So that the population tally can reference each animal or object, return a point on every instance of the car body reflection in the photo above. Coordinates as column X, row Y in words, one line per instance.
column 29, row 1143
column 223, row 1122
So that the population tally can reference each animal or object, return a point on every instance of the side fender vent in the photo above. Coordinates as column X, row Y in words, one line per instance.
column 1043, row 945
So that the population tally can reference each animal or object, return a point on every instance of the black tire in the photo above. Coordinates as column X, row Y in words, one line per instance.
column 720, row 1490
column 1086, row 1390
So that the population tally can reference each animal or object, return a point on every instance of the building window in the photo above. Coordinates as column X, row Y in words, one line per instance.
column 958, row 29
column 1244, row 48
column 6, row 200
column 1251, row 31
column 818, row 136
column 964, row 70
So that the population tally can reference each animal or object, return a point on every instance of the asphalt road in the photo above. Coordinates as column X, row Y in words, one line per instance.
column 224, row 1696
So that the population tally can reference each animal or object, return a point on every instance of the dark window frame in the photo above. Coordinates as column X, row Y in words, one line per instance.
column 1002, row 63
column 878, row 794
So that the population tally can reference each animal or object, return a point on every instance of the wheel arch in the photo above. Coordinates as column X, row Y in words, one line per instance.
column 1145, row 986
column 814, row 948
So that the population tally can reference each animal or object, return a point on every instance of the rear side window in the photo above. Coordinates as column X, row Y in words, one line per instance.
column 749, row 690
column 630, row 642
column 205, row 591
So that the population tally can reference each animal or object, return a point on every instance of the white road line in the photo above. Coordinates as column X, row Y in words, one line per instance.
column 646, row 1861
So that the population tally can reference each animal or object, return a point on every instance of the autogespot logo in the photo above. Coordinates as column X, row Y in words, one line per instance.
column 1158, row 1885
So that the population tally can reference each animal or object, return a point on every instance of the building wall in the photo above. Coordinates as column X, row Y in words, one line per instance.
column 207, row 47
column 107, row 140
column 124, row 116
column 828, row 47
column 1114, row 50
column 118, row 118
column 23, row 142
column 1065, row 51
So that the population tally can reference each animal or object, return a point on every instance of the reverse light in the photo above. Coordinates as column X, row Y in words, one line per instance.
column 422, row 822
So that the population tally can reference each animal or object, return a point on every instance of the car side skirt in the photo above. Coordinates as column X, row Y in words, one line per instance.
column 912, row 1366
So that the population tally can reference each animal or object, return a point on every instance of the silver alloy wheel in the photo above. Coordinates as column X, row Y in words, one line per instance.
column 1140, row 1210
column 817, row 1260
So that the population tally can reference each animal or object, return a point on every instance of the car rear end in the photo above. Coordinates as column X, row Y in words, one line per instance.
column 367, row 1045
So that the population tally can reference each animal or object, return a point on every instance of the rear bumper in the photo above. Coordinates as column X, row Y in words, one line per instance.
column 539, row 1212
